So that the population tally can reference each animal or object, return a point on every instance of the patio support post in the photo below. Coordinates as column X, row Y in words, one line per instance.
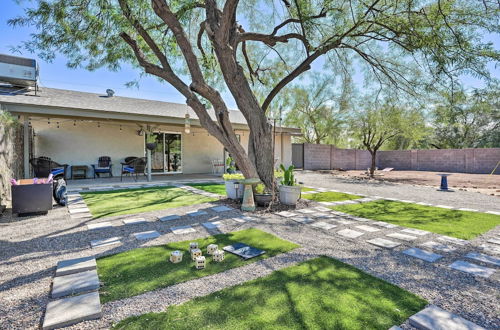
column 26, row 147
column 148, row 153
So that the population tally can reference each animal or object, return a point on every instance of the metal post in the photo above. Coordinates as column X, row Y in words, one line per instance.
column 26, row 147
column 148, row 153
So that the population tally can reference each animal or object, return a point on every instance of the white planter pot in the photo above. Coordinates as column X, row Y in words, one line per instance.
column 231, row 192
column 289, row 195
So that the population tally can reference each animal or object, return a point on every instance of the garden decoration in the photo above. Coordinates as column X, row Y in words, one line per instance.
column 289, row 190
column 200, row 262
column 211, row 248
column 218, row 256
column 444, row 182
column 195, row 253
column 176, row 257
column 248, row 201
column 192, row 246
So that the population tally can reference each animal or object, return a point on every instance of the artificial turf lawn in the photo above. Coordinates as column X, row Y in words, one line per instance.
column 307, row 189
column 129, row 201
column 459, row 224
column 211, row 187
column 330, row 196
column 321, row 293
column 137, row 271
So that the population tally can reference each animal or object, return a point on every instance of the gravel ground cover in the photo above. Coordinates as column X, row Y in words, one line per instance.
column 130, row 201
column 402, row 191
column 32, row 246
column 455, row 223
column 321, row 293
column 137, row 271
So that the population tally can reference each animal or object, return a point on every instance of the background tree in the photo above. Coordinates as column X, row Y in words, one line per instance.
column 467, row 119
column 317, row 110
column 201, row 47
column 375, row 125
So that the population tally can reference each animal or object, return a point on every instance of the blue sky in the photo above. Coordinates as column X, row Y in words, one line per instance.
column 58, row 75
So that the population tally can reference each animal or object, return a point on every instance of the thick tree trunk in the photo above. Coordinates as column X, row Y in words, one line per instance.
column 260, row 152
column 372, row 167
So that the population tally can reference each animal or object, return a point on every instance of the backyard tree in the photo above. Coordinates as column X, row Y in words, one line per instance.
column 202, row 47
column 376, row 125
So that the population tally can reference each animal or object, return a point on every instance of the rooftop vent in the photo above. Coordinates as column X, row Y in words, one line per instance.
column 110, row 92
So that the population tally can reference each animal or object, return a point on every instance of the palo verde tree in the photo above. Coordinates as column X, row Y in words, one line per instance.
column 201, row 47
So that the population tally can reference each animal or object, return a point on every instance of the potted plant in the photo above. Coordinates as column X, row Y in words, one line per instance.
column 289, row 190
column 234, row 189
column 231, row 165
column 262, row 197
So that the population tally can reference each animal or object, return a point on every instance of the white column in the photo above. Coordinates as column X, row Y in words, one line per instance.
column 26, row 147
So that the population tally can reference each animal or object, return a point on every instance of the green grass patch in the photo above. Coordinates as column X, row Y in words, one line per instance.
column 129, row 201
column 137, row 271
column 459, row 224
column 307, row 189
column 211, row 187
column 321, row 293
column 330, row 196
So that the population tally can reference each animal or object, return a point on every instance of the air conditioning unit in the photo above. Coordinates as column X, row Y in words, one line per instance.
column 18, row 71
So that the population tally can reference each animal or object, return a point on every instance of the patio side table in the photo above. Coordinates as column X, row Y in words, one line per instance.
column 79, row 171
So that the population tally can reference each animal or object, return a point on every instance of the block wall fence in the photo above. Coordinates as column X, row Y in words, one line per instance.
column 328, row 157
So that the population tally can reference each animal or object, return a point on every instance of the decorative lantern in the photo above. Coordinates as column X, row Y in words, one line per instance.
column 176, row 257
column 200, row 262
column 195, row 253
column 211, row 248
column 192, row 246
column 218, row 255
column 187, row 124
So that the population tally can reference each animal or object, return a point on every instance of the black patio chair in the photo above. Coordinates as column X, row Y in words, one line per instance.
column 103, row 166
column 135, row 166
column 43, row 166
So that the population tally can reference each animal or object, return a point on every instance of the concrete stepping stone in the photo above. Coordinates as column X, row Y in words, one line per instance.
column 484, row 258
column 244, row 218
column 105, row 242
column 414, row 231
column 196, row 213
column 493, row 212
column 134, row 221
column 81, row 216
column 322, row 209
column 472, row 269
column 385, row 243
column 182, row 230
column 349, row 233
column 74, row 283
column 302, row 219
column 99, row 225
column 395, row 327
column 169, row 218
column 438, row 246
column 286, row 214
column 64, row 312
column 402, row 237
column 453, row 240
column 145, row 235
column 422, row 254
column 344, row 221
column 468, row 210
column 307, row 211
column 321, row 215
column 222, row 208
column 328, row 203
column 79, row 210
column 72, row 266
column 491, row 248
column 359, row 219
column 369, row 229
column 212, row 225
column 435, row 318
column 340, row 214
column 385, row 224
column 323, row 225
column 494, row 241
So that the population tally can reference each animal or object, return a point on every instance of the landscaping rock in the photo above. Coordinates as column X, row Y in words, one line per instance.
column 435, row 318
column 145, row 235
column 64, row 312
column 75, row 283
column 67, row 267
column 472, row 269
column 422, row 254
column 385, row 243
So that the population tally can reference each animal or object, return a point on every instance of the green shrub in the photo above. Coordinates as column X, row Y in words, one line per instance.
column 235, row 176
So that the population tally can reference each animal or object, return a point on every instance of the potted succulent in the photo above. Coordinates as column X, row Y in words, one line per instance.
column 289, row 190
column 234, row 189
column 262, row 197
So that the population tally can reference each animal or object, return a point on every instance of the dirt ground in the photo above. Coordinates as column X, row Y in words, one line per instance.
column 483, row 183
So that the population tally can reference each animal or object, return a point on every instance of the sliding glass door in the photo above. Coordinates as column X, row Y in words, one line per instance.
column 166, row 158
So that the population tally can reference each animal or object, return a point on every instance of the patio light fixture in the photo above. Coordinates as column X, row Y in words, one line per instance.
column 187, row 124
